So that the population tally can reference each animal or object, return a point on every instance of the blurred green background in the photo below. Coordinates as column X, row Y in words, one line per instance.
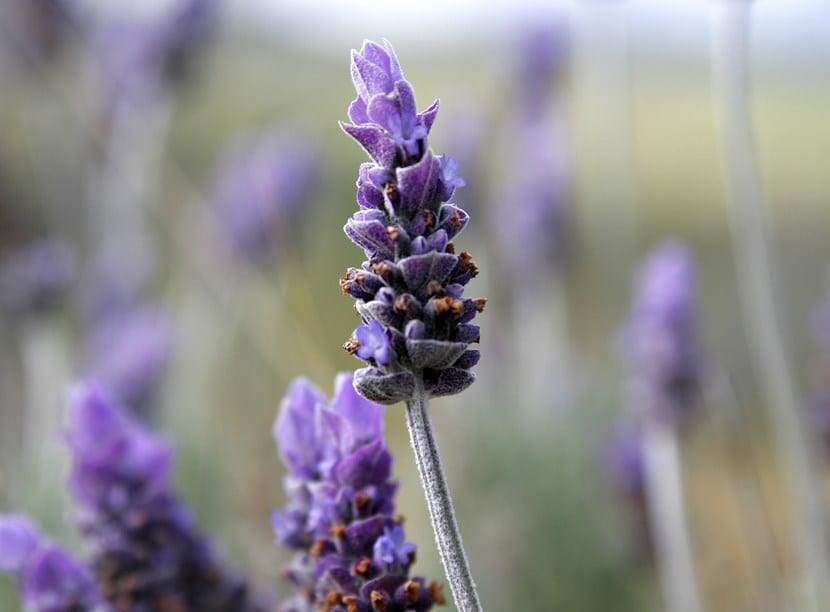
column 543, row 525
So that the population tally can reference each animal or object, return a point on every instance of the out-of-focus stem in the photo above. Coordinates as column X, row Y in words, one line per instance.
column 769, row 347
column 664, row 488
column 439, row 502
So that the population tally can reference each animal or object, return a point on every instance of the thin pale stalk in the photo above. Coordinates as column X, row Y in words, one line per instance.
column 439, row 502
column 664, row 488
column 769, row 345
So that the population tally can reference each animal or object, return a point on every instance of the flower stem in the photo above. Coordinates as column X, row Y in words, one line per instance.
column 664, row 483
column 439, row 502
column 757, row 284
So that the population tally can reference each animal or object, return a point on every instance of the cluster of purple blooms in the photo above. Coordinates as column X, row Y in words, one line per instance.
column 661, row 338
column 137, row 56
column 146, row 550
column 409, row 293
column 263, row 185
column 353, row 555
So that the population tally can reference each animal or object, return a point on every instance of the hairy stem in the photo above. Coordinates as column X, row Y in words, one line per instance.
column 664, row 484
column 439, row 502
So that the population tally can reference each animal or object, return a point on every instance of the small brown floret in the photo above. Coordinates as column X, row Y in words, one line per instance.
column 361, row 500
column 351, row 603
column 435, row 288
column 393, row 233
column 402, row 303
column 338, row 531
column 436, row 593
column 429, row 217
column 411, row 590
column 391, row 191
column 450, row 248
column 469, row 264
column 379, row 601
column 362, row 566
column 351, row 345
column 480, row 303
column 448, row 304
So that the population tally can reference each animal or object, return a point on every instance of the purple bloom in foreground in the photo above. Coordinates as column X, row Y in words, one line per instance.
column 147, row 552
column 661, row 337
column 412, row 284
column 36, row 279
column 352, row 554
column 50, row 579
column 263, row 191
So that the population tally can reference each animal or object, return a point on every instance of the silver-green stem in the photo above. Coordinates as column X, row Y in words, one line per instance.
column 439, row 502
column 770, row 349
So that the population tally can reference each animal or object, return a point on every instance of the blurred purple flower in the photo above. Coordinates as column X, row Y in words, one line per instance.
column 262, row 194
column 129, row 353
column 352, row 553
column 34, row 30
column 139, row 56
column 146, row 548
column 37, row 278
column 661, row 337
column 541, row 52
column 50, row 579
column 413, row 281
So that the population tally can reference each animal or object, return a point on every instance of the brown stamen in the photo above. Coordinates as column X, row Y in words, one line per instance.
column 448, row 304
column 429, row 217
column 362, row 566
column 450, row 248
column 436, row 593
column 379, row 601
column 402, row 303
column 434, row 288
column 411, row 590
column 469, row 264
column 351, row 345
column 393, row 233
column 480, row 303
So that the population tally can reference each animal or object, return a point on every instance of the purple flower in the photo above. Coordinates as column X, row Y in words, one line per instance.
column 145, row 544
column 409, row 293
column 139, row 55
column 373, row 343
column 49, row 578
column 128, row 353
column 392, row 549
column 351, row 553
column 36, row 279
column 661, row 337
column 263, row 190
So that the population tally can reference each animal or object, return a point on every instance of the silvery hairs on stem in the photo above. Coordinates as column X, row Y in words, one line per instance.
column 417, row 325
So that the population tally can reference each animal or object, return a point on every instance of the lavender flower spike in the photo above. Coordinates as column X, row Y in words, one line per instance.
column 661, row 336
column 417, row 325
column 352, row 554
column 147, row 551
column 50, row 579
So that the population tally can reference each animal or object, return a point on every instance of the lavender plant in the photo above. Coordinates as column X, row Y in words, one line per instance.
column 417, row 326
column 661, row 343
column 49, row 578
column 352, row 554
column 147, row 552
column 661, row 338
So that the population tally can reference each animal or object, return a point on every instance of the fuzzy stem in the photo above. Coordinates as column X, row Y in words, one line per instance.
column 439, row 502
column 664, row 485
column 770, row 349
